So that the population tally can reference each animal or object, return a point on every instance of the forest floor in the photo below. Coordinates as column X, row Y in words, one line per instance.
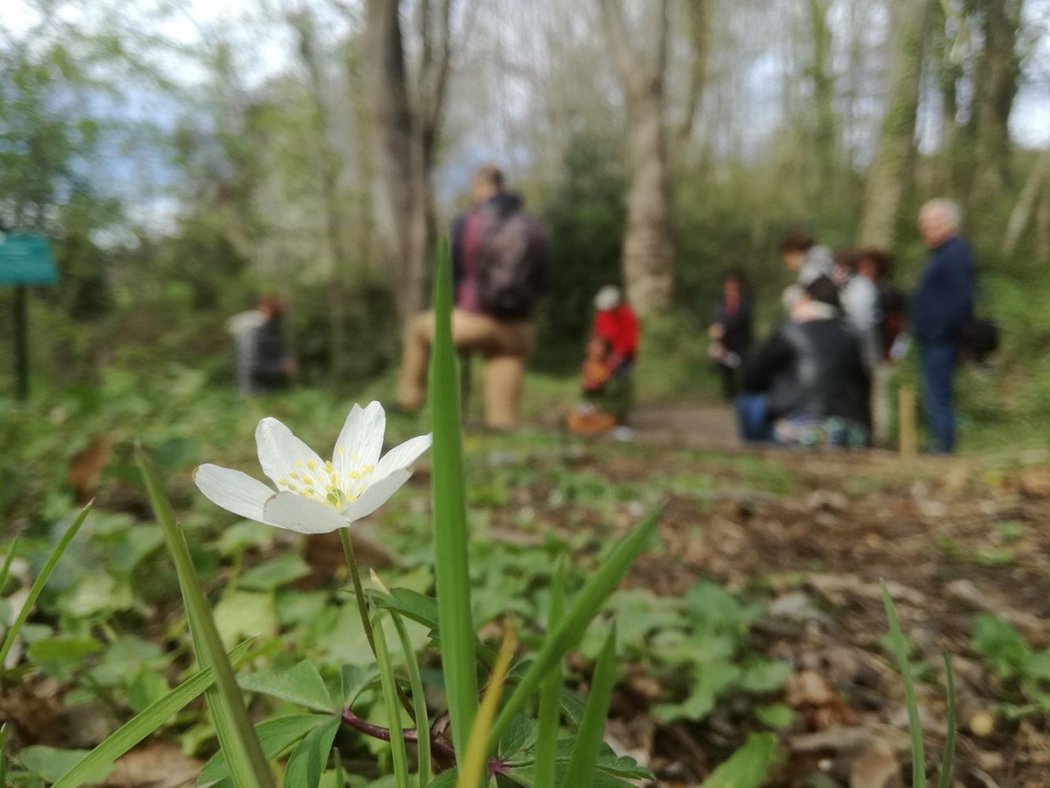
column 953, row 538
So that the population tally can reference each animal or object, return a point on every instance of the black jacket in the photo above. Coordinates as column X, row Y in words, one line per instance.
column 815, row 368
column 943, row 302
column 737, row 336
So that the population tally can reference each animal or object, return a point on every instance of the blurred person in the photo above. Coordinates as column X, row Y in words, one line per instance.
column 808, row 385
column 877, row 265
column 616, row 324
column 731, row 332
column 499, row 270
column 590, row 417
column 859, row 296
column 262, row 362
column 941, row 309
column 807, row 260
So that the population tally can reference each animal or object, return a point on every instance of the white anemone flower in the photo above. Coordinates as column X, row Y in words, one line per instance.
column 314, row 496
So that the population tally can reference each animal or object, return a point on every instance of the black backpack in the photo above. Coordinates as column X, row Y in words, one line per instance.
column 509, row 276
column 980, row 339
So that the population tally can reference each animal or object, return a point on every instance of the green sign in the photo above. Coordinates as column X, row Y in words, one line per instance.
column 26, row 260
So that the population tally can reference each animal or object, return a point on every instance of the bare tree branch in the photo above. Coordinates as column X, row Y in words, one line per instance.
column 698, row 20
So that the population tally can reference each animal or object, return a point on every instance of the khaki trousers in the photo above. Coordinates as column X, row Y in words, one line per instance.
column 505, row 345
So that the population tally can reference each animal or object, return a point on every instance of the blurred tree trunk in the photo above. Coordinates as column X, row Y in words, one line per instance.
column 824, row 123
column 889, row 172
column 1026, row 203
column 698, row 21
column 329, row 167
column 406, row 112
column 648, row 247
column 996, row 82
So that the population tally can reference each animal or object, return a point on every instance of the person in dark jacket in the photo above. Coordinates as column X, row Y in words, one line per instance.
column 730, row 332
column 941, row 308
column 808, row 385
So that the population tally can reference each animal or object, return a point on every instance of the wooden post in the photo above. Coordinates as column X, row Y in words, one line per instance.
column 21, row 338
column 909, row 443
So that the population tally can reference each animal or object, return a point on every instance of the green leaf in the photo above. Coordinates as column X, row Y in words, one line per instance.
column 747, row 767
column 584, row 757
column 237, row 736
column 40, row 582
column 419, row 699
column 276, row 736
column 711, row 679
column 1002, row 646
column 947, row 761
column 354, row 679
column 140, row 726
column 242, row 614
column 901, row 650
column 64, row 648
column 393, row 706
column 410, row 604
column 50, row 763
column 579, row 615
column 5, row 570
column 550, row 691
column 147, row 688
column 764, row 676
column 97, row 594
column 775, row 715
column 273, row 574
column 309, row 759
column 3, row 744
column 451, row 561
column 301, row 684
column 244, row 534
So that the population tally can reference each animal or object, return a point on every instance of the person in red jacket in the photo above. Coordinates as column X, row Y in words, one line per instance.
column 616, row 323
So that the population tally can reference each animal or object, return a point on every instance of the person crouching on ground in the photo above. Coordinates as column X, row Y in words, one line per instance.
column 808, row 384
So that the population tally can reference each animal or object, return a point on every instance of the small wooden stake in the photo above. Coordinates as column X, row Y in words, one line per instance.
column 909, row 443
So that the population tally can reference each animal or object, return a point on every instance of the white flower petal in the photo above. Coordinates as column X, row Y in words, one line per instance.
column 402, row 456
column 279, row 450
column 376, row 495
column 234, row 491
column 361, row 439
column 302, row 515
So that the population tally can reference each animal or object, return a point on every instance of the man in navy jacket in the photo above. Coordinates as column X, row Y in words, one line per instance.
column 941, row 309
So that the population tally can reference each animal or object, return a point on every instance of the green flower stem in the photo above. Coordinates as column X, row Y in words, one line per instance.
column 359, row 591
column 362, row 609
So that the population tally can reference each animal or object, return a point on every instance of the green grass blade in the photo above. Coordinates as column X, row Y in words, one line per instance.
column 392, row 704
column 949, row 741
column 141, row 725
column 419, row 699
column 40, row 582
column 237, row 738
column 451, row 571
column 580, row 613
column 3, row 754
column 900, row 649
column 5, row 570
column 473, row 764
column 550, row 693
column 589, row 735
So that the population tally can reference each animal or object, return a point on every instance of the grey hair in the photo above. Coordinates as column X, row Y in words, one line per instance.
column 949, row 208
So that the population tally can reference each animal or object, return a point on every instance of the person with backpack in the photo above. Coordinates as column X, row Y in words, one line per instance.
column 499, row 270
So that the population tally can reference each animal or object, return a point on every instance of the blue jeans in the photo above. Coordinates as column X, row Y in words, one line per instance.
column 937, row 365
column 752, row 412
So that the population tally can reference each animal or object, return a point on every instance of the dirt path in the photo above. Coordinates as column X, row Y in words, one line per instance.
column 695, row 427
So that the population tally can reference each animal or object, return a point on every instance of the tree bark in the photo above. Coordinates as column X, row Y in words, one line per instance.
column 889, row 172
column 648, row 247
column 998, row 72
column 825, row 121
column 1021, row 215
column 328, row 175
column 406, row 118
column 698, row 20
